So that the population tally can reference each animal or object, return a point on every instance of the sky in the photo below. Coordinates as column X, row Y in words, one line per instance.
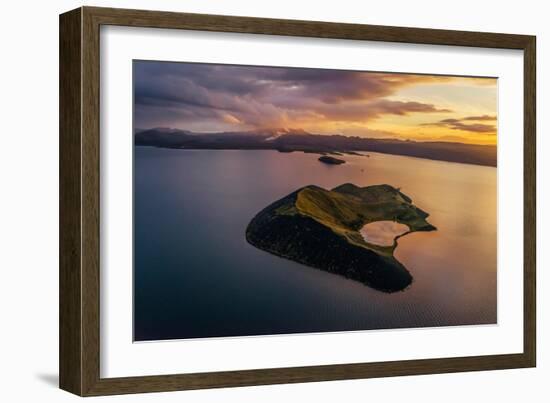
column 219, row 98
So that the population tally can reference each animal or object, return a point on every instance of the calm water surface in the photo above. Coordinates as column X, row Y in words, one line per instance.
column 196, row 276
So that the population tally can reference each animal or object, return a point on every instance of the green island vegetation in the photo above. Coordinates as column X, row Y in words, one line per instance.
column 331, row 160
column 321, row 228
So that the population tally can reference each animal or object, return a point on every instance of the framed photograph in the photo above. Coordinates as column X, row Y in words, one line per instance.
column 249, row 201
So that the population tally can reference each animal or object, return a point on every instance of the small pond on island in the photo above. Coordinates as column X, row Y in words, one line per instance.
column 383, row 232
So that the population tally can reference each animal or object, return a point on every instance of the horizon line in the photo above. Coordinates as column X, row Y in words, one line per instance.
column 140, row 130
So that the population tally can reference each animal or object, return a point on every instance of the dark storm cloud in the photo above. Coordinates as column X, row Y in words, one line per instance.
column 166, row 93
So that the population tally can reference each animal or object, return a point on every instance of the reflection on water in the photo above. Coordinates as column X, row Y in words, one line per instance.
column 196, row 276
column 383, row 232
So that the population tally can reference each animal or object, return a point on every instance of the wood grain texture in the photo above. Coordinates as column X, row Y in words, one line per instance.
column 80, row 201
column 90, row 202
column 316, row 29
column 70, row 313
column 530, row 203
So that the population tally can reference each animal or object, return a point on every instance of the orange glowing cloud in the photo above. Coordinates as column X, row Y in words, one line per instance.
column 209, row 98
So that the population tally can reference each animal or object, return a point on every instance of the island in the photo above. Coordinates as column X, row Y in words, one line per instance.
column 331, row 160
column 321, row 228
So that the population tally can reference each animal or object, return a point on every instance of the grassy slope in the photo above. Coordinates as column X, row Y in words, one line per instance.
column 347, row 208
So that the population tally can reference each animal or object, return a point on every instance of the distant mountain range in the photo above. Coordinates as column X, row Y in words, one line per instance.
column 290, row 140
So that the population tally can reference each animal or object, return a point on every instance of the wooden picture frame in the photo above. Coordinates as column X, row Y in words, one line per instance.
column 80, row 186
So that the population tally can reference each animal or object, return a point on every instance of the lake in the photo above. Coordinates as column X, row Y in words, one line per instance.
column 196, row 276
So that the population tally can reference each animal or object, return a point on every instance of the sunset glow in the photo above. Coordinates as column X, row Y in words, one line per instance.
column 217, row 98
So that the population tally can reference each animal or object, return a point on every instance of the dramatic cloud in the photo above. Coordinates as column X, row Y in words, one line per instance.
column 210, row 98
column 215, row 96
column 458, row 124
column 375, row 109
